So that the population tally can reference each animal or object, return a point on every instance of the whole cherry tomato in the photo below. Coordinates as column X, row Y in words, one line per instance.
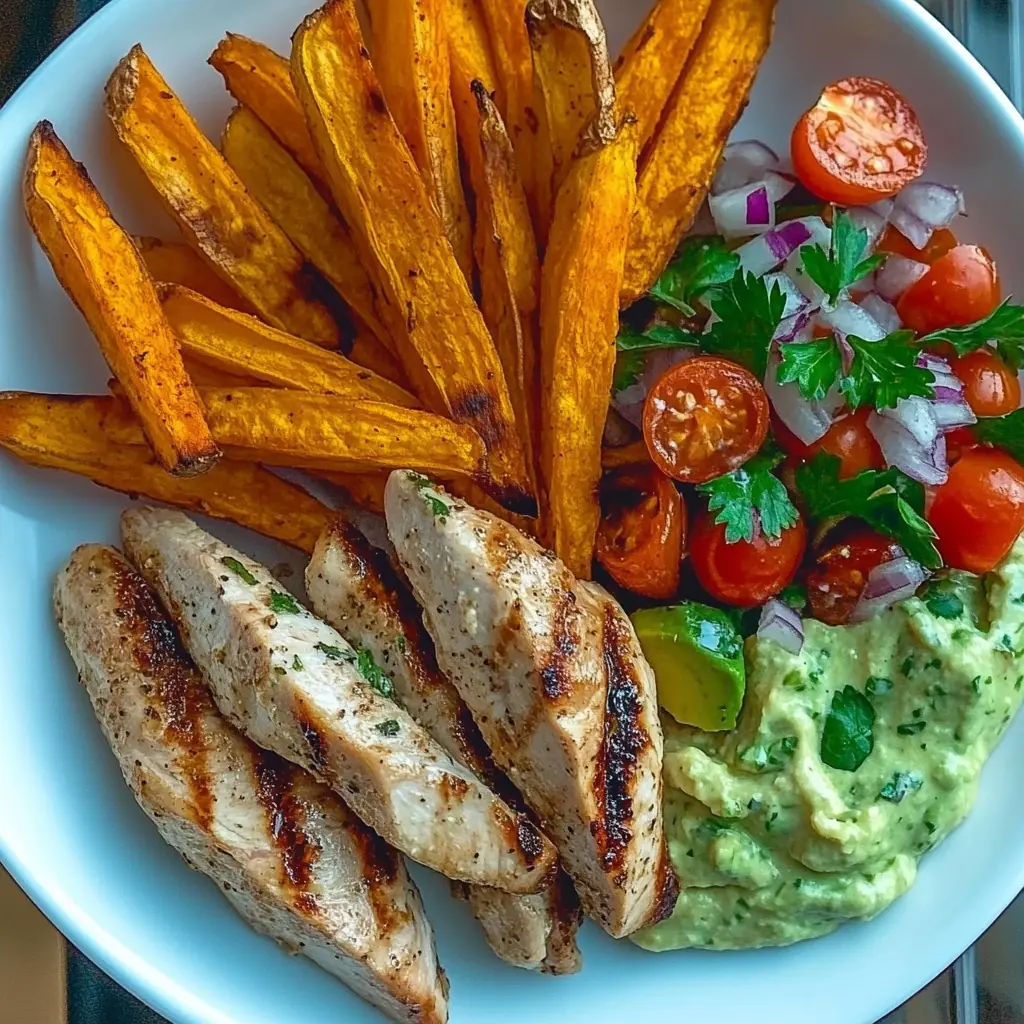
column 859, row 143
column 990, row 386
column 848, row 439
column 894, row 241
column 745, row 574
column 961, row 288
column 841, row 572
column 979, row 511
column 704, row 418
column 641, row 537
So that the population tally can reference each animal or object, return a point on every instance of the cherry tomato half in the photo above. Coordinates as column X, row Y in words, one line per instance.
column 745, row 574
column 640, row 540
column 841, row 572
column 859, row 143
column 990, row 386
column 958, row 443
column 894, row 241
column 960, row 288
column 979, row 511
column 704, row 418
column 848, row 439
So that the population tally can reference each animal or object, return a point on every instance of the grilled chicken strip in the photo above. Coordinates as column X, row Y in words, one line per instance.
column 554, row 677
column 353, row 587
column 293, row 685
column 288, row 854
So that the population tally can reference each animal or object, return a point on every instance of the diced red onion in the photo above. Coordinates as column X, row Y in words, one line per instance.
column 915, row 231
column 935, row 363
column 896, row 275
column 933, row 205
column 948, row 388
column 887, row 585
column 795, row 299
column 796, row 327
column 884, row 313
column 629, row 402
column 779, row 185
column 883, row 208
column 809, row 421
column 821, row 235
column 617, row 432
column 782, row 625
column 743, row 211
column 849, row 318
column 743, row 163
column 767, row 251
column 910, row 440
column 866, row 219
column 952, row 413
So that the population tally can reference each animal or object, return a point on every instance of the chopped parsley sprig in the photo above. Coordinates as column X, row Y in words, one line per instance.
column 844, row 264
column 751, row 499
column 1006, row 432
column 887, row 500
column 701, row 263
column 1004, row 327
column 748, row 313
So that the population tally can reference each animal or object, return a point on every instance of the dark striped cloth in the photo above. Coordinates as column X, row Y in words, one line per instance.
column 29, row 30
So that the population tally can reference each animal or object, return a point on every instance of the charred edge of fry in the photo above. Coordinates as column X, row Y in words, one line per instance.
column 582, row 17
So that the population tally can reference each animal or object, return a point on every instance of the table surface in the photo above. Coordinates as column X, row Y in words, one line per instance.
column 43, row 985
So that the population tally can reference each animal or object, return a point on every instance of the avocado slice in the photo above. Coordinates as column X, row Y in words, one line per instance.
column 697, row 656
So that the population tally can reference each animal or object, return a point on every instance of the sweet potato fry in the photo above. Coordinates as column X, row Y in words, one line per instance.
column 368, row 352
column 414, row 71
column 398, row 230
column 635, row 454
column 575, row 84
column 364, row 490
column 307, row 431
column 653, row 60
column 506, row 253
column 288, row 194
column 581, row 281
column 472, row 60
column 105, row 276
column 239, row 344
column 515, row 96
column 177, row 263
column 79, row 435
column 680, row 162
column 261, row 80
column 211, row 205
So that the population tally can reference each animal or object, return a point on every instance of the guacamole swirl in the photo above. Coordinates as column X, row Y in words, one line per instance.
column 771, row 844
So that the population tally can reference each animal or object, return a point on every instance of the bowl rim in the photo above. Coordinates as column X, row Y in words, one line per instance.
column 149, row 983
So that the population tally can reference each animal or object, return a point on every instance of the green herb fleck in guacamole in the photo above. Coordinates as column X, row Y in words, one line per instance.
column 849, row 761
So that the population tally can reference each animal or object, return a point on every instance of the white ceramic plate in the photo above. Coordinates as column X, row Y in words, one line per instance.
column 70, row 832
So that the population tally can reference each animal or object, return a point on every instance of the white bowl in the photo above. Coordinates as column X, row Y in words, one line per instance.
column 70, row 832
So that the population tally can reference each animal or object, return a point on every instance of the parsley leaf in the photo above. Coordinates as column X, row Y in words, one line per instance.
column 883, row 372
column 700, row 263
column 749, row 313
column 751, row 498
column 297, row 664
column 284, row 603
column 239, row 570
column 900, row 785
column 844, row 263
column 814, row 366
column 657, row 335
column 628, row 367
column 848, row 734
column 1005, row 326
column 374, row 674
column 334, row 653
column 887, row 499
column 942, row 601
column 1006, row 432
column 438, row 507
column 388, row 728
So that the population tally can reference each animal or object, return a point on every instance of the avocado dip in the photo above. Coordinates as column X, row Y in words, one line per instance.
column 771, row 842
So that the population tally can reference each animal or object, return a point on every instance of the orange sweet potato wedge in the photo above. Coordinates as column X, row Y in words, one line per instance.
column 81, row 435
column 235, row 343
column 177, row 263
column 413, row 66
column 102, row 271
column 580, row 284
column 574, row 81
column 288, row 194
column 261, row 80
column 442, row 339
column 654, row 58
column 368, row 352
column 680, row 162
column 211, row 205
